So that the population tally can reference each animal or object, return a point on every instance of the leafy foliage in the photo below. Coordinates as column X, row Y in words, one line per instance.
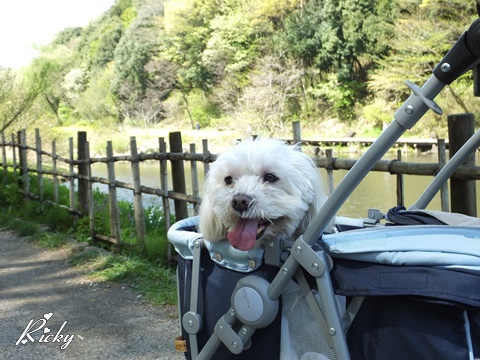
column 212, row 62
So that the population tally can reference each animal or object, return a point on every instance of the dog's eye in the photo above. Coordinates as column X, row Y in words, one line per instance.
column 269, row 177
column 228, row 180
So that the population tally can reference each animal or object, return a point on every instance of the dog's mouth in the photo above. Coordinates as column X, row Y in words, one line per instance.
column 244, row 235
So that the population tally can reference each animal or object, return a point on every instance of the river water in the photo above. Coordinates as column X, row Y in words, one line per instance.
column 377, row 190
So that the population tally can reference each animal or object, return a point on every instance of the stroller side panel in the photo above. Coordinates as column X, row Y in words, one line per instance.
column 414, row 312
column 402, row 327
column 455, row 286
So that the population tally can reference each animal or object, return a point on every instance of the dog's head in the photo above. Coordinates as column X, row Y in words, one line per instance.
column 259, row 189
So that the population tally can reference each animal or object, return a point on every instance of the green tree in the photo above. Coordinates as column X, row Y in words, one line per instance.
column 134, row 82
column 131, row 78
column 215, row 44
column 66, row 36
column 96, row 102
column 341, row 37
column 424, row 32
column 274, row 94
column 187, row 30
column 266, row 60
column 103, row 47
column 7, row 82
column 22, row 90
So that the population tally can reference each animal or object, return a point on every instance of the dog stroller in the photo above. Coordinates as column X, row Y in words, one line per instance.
column 407, row 289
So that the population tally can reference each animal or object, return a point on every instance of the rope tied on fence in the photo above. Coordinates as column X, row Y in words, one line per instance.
column 390, row 165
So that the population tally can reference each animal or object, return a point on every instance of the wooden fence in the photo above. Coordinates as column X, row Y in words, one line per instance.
column 17, row 154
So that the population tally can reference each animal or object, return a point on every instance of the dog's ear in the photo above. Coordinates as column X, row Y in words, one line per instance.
column 209, row 224
column 320, row 199
column 314, row 207
column 309, row 171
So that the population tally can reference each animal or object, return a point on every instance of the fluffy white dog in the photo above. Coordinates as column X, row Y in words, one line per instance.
column 259, row 190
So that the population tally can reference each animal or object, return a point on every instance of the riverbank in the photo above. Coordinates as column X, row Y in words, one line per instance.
column 146, row 138
column 219, row 139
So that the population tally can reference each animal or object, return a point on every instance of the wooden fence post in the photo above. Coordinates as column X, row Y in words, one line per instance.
column 330, row 160
column 55, row 176
column 71, row 174
column 14, row 156
column 4, row 160
column 400, row 185
column 82, row 171
column 297, row 138
column 137, row 195
column 206, row 154
column 463, row 192
column 164, row 186
column 194, row 176
column 112, row 197
column 23, row 161
column 38, row 147
column 89, row 195
column 442, row 160
column 178, row 175
column 19, row 142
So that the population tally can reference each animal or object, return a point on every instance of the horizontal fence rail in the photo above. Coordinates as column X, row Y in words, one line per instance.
column 74, row 172
column 397, row 167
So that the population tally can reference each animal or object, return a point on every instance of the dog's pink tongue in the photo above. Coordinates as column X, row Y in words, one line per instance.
column 244, row 235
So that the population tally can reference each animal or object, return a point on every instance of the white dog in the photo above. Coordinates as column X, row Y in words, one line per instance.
column 259, row 190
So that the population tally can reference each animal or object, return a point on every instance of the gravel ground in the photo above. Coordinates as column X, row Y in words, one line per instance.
column 54, row 312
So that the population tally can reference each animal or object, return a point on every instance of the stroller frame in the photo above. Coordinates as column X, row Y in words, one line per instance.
column 305, row 253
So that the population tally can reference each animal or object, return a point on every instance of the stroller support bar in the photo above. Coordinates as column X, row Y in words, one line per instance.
column 308, row 258
column 315, row 263
column 230, row 338
column 432, row 105
column 447, row 171
column 191, row 321
column 405, row 118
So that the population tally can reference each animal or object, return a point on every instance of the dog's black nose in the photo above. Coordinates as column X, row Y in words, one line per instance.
column 241, row 202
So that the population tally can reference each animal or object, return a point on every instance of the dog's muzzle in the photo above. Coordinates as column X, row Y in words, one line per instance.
column 247, row 230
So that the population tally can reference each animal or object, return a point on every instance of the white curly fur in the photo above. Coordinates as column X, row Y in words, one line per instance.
column 287, row 204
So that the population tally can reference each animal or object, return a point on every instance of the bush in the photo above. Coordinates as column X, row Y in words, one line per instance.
column 202, row 109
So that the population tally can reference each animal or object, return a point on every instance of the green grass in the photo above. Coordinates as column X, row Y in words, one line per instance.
column 151, row 278
column 50, row 240
column 23, row 228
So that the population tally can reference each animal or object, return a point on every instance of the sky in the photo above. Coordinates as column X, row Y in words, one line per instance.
column 25, row 23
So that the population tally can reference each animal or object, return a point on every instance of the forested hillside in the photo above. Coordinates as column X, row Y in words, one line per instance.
column 241, row 64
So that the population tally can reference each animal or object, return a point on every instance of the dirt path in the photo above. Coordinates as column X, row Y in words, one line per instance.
column 89, row 320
